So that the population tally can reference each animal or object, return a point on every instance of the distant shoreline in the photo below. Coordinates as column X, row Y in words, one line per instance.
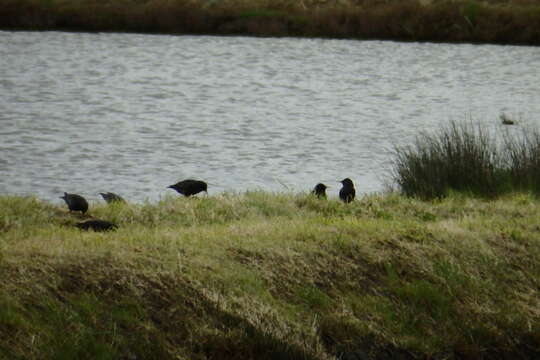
column 510, row 22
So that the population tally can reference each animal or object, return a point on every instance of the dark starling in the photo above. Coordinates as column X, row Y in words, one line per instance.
column 320, row 190
column 96, row 225
column 110, row 197
column 75, row 202
column 347, row 192
column 190, row 187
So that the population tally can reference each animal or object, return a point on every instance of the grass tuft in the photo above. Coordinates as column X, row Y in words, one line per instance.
column 467, row 158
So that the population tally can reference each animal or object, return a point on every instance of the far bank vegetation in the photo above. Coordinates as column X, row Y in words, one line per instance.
column 505, row 21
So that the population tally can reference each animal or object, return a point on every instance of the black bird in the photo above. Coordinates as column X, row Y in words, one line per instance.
column 75, row 202
column 320, row 190
column 190, row 187
column 96, row 225
column 347, row 192
column 110, row 197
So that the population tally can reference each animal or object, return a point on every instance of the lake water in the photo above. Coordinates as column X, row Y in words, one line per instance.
column 132, row 114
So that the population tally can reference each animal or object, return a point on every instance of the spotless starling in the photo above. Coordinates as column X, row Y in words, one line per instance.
column 190, row 187
column 96, row 225
column 320, row 190
column 110, row 197
column 347, row 192
column 75, row 202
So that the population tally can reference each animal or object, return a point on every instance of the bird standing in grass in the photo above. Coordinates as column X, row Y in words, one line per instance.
column 110, row 197
column 320, row 190
column 347, row 192
column 190, row 187
column 75, row 202
column 96, row 225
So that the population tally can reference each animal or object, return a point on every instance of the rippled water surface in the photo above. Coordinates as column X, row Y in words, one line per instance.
column 133, row 114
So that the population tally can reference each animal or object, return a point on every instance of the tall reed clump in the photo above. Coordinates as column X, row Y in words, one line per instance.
column 466, row 157
column 524, row 159
column 460, row 158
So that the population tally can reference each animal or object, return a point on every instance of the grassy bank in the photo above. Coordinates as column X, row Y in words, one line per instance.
column 273, row 276
column 507, row 21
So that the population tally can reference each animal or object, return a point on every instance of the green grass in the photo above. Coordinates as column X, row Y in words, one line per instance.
column 272, row 276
